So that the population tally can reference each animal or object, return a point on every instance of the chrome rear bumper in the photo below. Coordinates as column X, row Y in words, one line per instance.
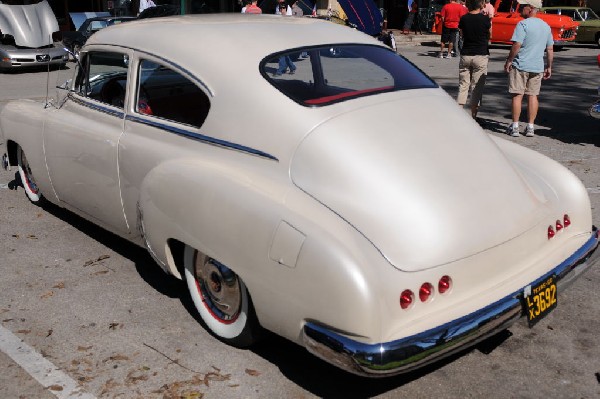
column 407, row 354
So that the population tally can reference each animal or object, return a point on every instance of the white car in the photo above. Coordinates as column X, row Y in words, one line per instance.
column 295, row 174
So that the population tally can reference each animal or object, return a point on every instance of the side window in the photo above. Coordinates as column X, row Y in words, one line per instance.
column 104, row 77
column 165, row 93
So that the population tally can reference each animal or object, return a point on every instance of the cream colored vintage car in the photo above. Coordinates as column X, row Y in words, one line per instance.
column 293, row 173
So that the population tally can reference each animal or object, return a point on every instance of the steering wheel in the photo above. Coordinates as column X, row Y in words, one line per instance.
column 113, row 93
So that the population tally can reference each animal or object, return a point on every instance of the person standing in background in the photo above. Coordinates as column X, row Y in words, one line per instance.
column 525, row 64
column 451, row 14
column 252, row 8
column 474, row 28
column 145, row 4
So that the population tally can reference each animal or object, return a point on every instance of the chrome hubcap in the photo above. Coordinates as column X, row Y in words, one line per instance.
column 219, row 287
column 28, row 176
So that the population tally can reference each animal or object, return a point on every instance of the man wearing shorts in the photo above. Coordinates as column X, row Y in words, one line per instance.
column 450, row 14
column 525, row 64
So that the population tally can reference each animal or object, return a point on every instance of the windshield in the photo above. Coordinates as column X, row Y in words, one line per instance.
column 319, row 76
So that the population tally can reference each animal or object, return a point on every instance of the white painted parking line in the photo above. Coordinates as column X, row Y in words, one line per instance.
column 46, row 373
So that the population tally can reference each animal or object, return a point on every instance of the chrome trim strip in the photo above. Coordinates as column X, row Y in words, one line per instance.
column 96, row 107
column 201, row 137
column 407, row 354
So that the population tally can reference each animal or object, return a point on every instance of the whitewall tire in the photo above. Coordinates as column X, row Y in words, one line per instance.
column 221, row 299
column 31, row 189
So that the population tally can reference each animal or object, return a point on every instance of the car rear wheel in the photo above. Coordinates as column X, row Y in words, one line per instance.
column 31, row 189
column 221, row 299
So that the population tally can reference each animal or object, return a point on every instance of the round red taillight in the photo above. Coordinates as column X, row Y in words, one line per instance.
column 566, row 221
column 559, row 225
column 444, row 284
column 406, row 299
column 551, row 232
column 425, row 292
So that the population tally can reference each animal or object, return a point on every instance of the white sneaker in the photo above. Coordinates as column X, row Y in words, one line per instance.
column 441, row 55
column 513, row 131
column 529, row 132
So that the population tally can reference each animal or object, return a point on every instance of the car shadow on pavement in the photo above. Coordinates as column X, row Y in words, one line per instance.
column 327, row 381
column 146, row 267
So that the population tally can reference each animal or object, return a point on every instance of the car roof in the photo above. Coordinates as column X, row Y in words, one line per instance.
column 245, row 37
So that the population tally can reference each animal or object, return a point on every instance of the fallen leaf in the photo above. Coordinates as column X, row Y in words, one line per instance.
column 31, row 236
column 55, row 388
column 88, row 263
column 233, row 385
column 24, row 331
column 15, row 236
column 84, row 348
column 192, row 395
column 253, row 373
column 101, row 272
column 7, row 320
column 102, row 257
column 49, row 333
column 40, row 215
column 47, row 295
column 118, row 357
column 113, row 326
column 60, row 285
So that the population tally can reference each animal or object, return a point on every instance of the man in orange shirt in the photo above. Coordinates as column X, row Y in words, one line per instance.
column 451, row 14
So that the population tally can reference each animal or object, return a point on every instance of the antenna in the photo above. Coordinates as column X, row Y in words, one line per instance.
column 47, row 104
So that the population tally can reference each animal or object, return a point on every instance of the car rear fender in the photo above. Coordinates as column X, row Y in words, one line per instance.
column 239, row 217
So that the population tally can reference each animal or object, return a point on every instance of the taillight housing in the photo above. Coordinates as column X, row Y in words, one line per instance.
column 425, row 292
column 551, row 232
column 566, row 220
column 406, row 299
column 559, row 226
column 445, row 284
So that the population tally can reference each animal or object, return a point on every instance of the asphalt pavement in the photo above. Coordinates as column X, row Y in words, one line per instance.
column 87, row 307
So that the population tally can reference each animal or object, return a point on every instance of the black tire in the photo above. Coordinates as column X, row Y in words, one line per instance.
column 221, row 299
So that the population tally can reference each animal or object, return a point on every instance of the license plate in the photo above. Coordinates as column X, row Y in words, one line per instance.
column 539, row 300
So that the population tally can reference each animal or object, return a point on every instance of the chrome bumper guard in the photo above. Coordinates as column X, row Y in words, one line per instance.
column 410, row 353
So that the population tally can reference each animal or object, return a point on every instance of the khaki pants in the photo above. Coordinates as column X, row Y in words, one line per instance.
column 472, row 72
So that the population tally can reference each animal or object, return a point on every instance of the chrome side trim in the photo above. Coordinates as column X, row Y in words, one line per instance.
column 96, row 107
column 201, row 137
column 407, row 354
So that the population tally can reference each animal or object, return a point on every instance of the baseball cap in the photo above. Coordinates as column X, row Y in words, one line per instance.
column 532, row 3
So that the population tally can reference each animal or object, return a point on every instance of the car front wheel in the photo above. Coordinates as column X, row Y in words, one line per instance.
column 221, row 299
column 31, row 189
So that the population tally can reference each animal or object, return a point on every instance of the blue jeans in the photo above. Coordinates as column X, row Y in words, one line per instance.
column 285, row 62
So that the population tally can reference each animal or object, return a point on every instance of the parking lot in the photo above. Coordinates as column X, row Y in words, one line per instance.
column 99, row 311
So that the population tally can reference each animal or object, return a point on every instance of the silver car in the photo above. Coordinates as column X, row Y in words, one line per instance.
column 26, row 37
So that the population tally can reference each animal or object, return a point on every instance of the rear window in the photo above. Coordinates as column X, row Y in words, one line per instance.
column 325, row 75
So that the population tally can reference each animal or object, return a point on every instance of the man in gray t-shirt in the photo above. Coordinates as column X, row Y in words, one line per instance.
column 525, row 64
